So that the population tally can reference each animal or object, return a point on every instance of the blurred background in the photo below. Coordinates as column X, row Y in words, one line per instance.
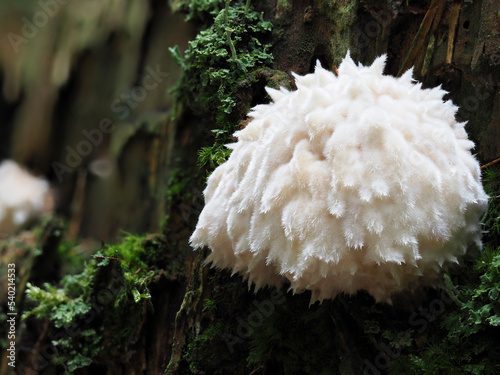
column 85, row 102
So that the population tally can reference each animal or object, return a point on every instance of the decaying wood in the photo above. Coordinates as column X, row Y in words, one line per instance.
column 428, row 26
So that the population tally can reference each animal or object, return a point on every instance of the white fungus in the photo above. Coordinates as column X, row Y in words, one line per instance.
column 22, row 197
column 356, row 181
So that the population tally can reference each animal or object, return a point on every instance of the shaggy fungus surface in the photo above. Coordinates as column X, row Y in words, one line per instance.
column 356, row 181
column 22, row 197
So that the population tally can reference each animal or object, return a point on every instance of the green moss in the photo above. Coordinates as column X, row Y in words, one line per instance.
column 65, row 305
column 213, row 156
column 200, row 351
column 210, row 305
column 211, row 69
column 197, row 10
column 77, row 354
column 98, row 311
column 179, row 180
column 61, row 305
column 216, row 61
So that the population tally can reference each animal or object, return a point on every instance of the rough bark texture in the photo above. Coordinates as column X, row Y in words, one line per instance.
column 75, row 72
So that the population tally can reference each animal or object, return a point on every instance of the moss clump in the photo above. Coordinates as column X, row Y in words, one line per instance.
column 219, row 57
column 215, row 62
column 98, row 311
column 66, row 305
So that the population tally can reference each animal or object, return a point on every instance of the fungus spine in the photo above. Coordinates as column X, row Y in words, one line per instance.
column 360, row 181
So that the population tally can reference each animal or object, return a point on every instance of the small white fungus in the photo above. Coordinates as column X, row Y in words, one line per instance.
column 22, row 197
column 361, row 181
